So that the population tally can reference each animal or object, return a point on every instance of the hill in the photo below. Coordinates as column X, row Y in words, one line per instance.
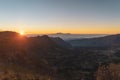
column 30, row 55
column 61, row 42
column 107, row 41
column 46, row 58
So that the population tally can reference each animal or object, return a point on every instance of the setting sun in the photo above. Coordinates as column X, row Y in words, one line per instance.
column 22, row 33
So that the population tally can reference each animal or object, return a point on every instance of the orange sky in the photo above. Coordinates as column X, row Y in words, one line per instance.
column 88, row 28
column 83, row 28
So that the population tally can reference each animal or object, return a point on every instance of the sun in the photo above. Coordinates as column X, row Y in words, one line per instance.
column 22, row 33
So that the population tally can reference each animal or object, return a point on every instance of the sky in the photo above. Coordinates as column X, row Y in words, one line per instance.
column 66, row 16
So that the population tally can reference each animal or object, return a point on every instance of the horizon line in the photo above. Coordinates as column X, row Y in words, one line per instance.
column 64, row 33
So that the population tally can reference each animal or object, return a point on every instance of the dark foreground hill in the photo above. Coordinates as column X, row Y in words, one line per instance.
column 44, row 58
column 33, row 55
column 107, row 41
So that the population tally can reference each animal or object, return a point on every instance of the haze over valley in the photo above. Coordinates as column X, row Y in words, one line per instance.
column 68, row 36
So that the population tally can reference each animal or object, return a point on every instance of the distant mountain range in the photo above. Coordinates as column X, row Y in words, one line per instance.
column 106, row 41
column 62, row 33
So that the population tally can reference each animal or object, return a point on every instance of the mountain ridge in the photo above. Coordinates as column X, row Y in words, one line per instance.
column 106, row 41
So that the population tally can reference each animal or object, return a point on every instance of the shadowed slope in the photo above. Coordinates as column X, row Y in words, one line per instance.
column 107, row 41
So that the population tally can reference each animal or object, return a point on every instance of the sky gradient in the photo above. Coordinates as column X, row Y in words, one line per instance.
column 67, row 16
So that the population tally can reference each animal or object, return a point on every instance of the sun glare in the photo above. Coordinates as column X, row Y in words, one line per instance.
column 22, row 33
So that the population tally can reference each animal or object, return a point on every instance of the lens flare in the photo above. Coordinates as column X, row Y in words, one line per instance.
column 22, row 33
